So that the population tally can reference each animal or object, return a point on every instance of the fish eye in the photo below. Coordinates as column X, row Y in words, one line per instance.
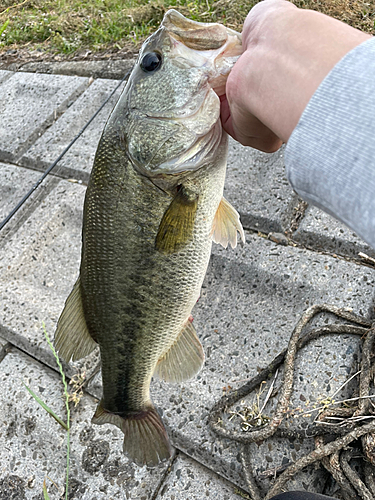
column 151, row 62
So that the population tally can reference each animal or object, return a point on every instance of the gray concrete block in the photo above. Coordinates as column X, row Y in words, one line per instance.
column 4, row 75
column 257, row 187
column 15, row 183
column 39, row 264
column 250, row 302
column 112, row 69
column 29, row 103
column 189, row 480
column 322, row 232
column 33, row 445
column 78, row 161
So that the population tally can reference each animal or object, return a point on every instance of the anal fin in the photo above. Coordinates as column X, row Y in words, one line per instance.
column 145, row 438
column 226, row 224
column 184, row 359
column 72, row 338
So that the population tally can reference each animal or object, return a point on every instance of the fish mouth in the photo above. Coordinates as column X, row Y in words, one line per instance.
column 216, row 49
column 207, row 51
column 208, row 45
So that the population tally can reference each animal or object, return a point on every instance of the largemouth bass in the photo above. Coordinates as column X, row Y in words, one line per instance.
column 153, row 205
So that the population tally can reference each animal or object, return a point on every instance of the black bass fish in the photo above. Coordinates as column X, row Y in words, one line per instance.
column 153, row 205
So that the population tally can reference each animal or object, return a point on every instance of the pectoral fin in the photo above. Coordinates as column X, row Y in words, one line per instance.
column 176, row 227
column 72, row 338
column 226, row 224
column 184, row 359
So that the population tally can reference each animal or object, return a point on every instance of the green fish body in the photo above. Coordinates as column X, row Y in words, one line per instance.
column 153, row 206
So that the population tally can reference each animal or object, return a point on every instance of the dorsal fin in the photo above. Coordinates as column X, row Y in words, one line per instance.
column 184, row 359
column 72, row 338
column 226, row 224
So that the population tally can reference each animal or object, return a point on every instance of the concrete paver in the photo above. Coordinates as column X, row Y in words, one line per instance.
column 33, row 445
column 29, row 103
column 77, row 162
column 15, row 183
column 38, row 266
column 4, row 75
column 322, row 232
column 257, row 187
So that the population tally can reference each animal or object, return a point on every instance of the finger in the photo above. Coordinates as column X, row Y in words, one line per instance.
column 225, row 115
column 250, row 131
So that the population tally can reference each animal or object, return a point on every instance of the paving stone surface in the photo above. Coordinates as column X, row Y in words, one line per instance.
column 323, row 232
column 29, row 103
column 38, row 266
column 250, row 302
column 15, row 183
column 251, row 299
column 257, row 187
column 77, row 162
column 4, row 75
column 33, row 445
column 192, row 481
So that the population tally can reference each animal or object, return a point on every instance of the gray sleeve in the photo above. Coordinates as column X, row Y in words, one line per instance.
column 330, row 156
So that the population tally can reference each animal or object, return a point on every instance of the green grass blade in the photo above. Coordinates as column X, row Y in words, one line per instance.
column 61, row 372
column 45, row 493
column 4, row 27
column 67, row 408
column 47, row 408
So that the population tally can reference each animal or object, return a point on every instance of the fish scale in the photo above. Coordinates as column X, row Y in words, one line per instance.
column 152, row 208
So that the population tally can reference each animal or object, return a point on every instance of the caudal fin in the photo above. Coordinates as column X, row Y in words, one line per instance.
column 145, row 438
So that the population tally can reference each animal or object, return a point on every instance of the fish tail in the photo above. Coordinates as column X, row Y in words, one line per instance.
column 146, row 441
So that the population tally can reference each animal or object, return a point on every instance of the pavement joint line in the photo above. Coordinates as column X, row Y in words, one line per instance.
column 51, row 167
column 9, row 346
column 360, row 261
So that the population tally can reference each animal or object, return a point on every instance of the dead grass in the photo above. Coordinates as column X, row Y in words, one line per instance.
column 356, row 13
column 72, row 27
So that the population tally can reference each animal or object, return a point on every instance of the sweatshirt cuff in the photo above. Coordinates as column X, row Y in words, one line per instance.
column 330, row 156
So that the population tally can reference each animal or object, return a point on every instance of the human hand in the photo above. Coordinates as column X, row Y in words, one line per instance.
column 287, row 54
